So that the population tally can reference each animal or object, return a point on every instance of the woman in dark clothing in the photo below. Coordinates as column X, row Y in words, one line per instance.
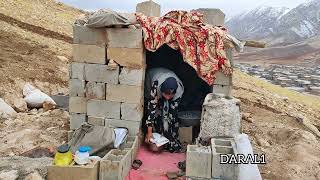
column 163, row 92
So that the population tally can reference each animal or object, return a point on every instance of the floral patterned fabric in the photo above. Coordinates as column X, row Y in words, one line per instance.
column 201, row 45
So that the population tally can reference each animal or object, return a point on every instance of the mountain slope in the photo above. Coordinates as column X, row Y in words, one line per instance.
column 278, row 26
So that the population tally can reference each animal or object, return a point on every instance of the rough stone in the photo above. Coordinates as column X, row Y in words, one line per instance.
column 20, row 105
column 124, row 38
column 100, row 108
column 133, row 126
column 77, row 105
column 198, row 161
column 124, row 93
column 220, row 117
column 91, row 36
column 89, row 54
column 97, row 121
column 132, row 112
column 95, row 90
column 76, row 120
column 47, row 105
column 149, row 8
column 133, row 77
column 77, row 88
column 222, row 79
column 212, row 16
column 6, row 110
column 101, row 73
column 76, row 71
column 127, row 57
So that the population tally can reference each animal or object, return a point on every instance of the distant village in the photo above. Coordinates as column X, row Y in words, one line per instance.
column 301, row 79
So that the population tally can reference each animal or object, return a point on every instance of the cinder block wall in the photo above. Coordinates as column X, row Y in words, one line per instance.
column 107, row 78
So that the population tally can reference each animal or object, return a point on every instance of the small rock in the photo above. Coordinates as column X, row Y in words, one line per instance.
column 33, row 111
column 247, row 117
column 56, row 112
column 63, row 58
column 7, row 110
column 40, row 110
column 172, row 175
column 9, row 175
column 33, row 176
column 47, row 105
column 262, row 142
column 20, row 105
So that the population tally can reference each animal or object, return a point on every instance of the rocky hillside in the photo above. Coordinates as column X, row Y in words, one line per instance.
column 278, row 26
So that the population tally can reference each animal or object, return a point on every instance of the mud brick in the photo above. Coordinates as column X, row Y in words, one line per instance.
column 89, row 54
column 76, row 120
column 222, row 79
column 101, row 108
column 124, row 93
column 77, row 88
column 198, row 162
column 133, row 77
column 101, row 73
column 76, row 71
column 97, row 121
column 133, row 126
column 95, row 90
column 131, row 111
column 91, row 36
column 115, row 165
column 127, row 57
column 124, row 38
column 223, row 146
column 77, row 105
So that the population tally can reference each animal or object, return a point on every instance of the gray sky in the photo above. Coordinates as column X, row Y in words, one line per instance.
column 229, row 7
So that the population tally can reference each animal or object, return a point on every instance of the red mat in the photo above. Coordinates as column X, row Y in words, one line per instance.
column 154, row 166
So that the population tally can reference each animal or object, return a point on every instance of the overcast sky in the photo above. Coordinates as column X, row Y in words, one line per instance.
column 229, row 7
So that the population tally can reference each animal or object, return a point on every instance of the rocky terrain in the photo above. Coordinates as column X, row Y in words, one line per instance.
column 35, row 47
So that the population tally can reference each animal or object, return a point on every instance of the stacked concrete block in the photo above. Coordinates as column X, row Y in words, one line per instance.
column 132, row 143
column 220, row 117
column 198, row 161
column 107, row 77
column 149, row 8
column 115, row 165
column 225, row 146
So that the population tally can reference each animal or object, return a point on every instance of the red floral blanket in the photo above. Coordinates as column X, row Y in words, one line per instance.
column 200, row 44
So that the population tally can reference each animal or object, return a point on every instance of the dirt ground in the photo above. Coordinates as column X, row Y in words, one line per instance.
column 40, row 58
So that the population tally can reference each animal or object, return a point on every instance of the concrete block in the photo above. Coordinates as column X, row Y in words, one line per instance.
column 89, row 54
column 124, row 93
column 77, row 88
column 198, row 161
column 101, row 108
column 76, row 120
column 101, row 73
column 220, row 117
column 224, row 146
column 76, row 71
column 115, row 165
column 133, row 77
column 74, row 172
column 62, row 101
column 95, row 90
column 132, row 144
column 124, row 38
column 97, row 121
column 222, row 79
column 222, row 89
column 91, row 36
column 132, row 58
column 133, row 126
column 70, row 134
column 149, row 8
column 212, row 16
column 77, row 105
column 185, row 134
column 132, row 112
